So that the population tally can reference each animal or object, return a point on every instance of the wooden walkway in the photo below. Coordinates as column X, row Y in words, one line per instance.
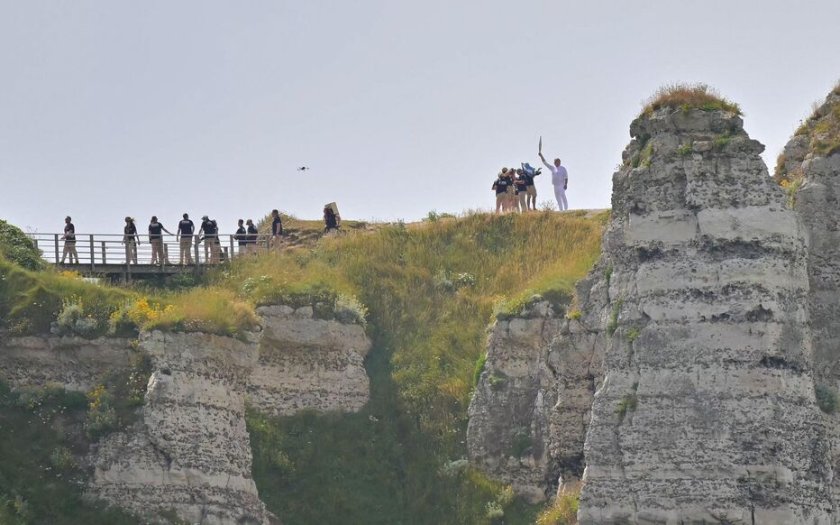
column 105, row 255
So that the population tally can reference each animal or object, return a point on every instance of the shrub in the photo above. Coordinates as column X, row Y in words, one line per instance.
column 686, row 97
column 563, row 510
column 826, row 398
column 348, row 309
column 101, row 416
column 18, row 248
column 721, row 141
column 73, row 319
column 612, row 324
column 685, row 149
column 62, row 459
column 479, row 368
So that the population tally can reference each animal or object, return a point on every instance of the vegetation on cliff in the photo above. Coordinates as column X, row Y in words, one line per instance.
column 426, row 292
column 689, row 96
column 18, row 248
column 819, row 135
column 430, row 290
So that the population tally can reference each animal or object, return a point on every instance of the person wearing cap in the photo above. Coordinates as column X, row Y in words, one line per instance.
column 186, row 228
column 210, row 235
column 69, row 238
column 560, row 181
column 156, row 230
column 131, row 240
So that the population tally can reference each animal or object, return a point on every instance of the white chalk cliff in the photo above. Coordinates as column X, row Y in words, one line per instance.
column 189, row 452
column 703, row 330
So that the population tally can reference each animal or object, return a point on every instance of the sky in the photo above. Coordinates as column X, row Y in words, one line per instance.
column 114, row 108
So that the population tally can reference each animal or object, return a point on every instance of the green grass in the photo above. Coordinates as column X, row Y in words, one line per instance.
column 18, row 248
column 686, row 97
column 40, row 481
column 823, row 134
column 563, row 510
column 384, row 465
column 426, row 293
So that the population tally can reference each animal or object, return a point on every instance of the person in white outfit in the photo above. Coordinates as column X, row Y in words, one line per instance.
column 560, row 180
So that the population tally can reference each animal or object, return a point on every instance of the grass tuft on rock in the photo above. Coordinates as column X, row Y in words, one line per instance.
column 685, row 97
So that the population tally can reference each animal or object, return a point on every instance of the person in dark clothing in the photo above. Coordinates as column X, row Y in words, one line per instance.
column 241, row 235
column 276, row 227
column 330, row 220
column 156, row 230
column 131, row 241
column 530, row 187
column 186, row 228
column 501, row 187
column 69, row 238
column 253, row 233
column 210, row 236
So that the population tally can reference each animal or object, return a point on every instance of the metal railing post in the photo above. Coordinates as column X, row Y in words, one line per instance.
column 230, row 254
column 56, row 248
column 196, row 260
column 104, row 256
column 92, row 254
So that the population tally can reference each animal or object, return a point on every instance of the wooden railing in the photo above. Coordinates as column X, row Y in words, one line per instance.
column 109, row 250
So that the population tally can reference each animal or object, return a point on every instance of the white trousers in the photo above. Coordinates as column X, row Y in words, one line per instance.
column 560, row 195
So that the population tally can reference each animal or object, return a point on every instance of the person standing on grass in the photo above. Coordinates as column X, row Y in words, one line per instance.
column 69, row 238
column 156, row 230
column 210, row 231
column 521, row 184
column 131, row 241
column 276, row 227
column 253, row 232
column 500, row 186
column 530, row 188
column 560, row 181
column 186, row 228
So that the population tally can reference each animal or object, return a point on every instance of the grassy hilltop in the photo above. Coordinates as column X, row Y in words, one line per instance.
column 426, row 292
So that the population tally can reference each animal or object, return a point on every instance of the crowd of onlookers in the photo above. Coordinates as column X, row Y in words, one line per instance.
column 189, row 238
column 516, row 191
column 514, row 187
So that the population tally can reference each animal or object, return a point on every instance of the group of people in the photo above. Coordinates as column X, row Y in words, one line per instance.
column 186, row 234
column 246, row 236
column 516, row 191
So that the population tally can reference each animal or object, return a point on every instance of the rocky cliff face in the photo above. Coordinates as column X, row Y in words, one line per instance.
column 531, row 407
column 308, row 363
column 811, row 168
column 74, row 363
column 707, row 410
column 695, row 331
column 190, row 453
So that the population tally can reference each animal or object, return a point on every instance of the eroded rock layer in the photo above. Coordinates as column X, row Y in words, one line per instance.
column 530, row 409
column 706, row 413
column 191, row 453
column 811, row 168
column 308, row 363
column 72, row 363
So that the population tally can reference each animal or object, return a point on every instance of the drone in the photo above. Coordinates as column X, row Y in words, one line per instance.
column 303, row 168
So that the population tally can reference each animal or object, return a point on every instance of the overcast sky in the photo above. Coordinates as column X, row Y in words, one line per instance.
column 399, row 107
